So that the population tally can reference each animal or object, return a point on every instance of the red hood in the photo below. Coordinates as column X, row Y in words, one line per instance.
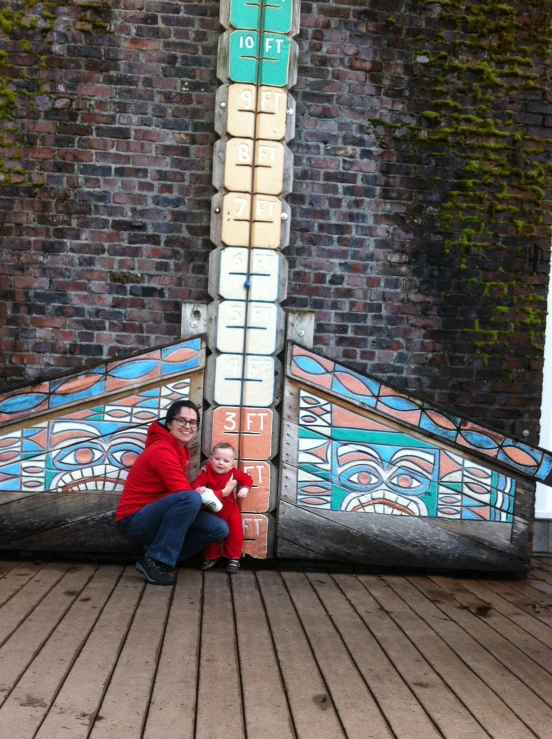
column 157, row 432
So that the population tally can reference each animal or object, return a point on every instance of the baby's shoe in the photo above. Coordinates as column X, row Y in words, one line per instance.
column 207, row 564
column 211, row 501
column 233, row 566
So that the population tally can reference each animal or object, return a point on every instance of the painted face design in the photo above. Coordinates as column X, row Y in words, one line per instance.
column 385, row 479
column 92, row 462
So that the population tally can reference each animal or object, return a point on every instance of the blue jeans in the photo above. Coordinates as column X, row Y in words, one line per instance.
column 174, row 527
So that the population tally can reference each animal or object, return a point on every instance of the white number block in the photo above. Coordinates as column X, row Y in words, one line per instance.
column 258, row 380
column 260, row 331
column 264, row 274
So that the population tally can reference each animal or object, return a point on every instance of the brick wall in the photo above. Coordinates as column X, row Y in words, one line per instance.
column 98, row 259
column 100, row 256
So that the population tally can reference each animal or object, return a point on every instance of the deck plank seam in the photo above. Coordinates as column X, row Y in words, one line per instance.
column 78, row 652
column 489, row 623
column 115, row 661
column 157, row 661
column 278, row 662
column 472, row 670
column 351, row 657
column 389, row 657
column 41, row 645
column 496, row 655
column 433, row 666
column 315, row 658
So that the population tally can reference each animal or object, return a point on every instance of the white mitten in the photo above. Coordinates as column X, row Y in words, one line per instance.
column 211, row 501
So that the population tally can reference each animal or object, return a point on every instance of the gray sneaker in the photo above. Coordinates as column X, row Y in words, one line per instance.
column 155, row 572
column 233, row 566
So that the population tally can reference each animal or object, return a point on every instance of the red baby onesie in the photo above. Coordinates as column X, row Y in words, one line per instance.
column 232, row 546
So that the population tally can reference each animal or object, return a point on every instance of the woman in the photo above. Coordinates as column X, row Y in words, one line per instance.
column 158, row 506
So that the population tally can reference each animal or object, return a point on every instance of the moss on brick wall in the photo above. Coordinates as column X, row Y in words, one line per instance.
column 440, row 210
column 478, row 108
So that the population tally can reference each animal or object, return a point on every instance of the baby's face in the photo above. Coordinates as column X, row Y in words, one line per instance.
column 222, row 460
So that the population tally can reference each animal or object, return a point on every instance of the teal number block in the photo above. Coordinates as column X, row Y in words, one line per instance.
column 244, row 58
column 275, row 60
column 247, row 14
column 277, row 16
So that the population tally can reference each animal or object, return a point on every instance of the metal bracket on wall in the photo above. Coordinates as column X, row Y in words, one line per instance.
column 194, row 320
column 300, row 327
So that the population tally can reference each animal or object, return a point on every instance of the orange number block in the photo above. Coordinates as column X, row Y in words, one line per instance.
column 255, row 532
column 256, row 430
column 258, row 498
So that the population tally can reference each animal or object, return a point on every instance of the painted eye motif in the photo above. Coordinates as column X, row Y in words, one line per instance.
column 405, row 482
column 124, row 455
column 82, row 456
column 359, row 477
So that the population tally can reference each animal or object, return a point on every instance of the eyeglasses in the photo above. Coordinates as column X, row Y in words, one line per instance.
column 185, row 422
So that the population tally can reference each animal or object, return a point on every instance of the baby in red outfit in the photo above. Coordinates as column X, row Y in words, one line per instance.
column 215, row 475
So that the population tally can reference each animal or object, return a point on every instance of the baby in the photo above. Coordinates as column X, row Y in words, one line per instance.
column 217, row 476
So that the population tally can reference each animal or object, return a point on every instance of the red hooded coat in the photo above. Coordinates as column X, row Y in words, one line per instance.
column 160, row 470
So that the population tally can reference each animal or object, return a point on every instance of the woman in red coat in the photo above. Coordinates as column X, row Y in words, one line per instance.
column 217, row 475
column 158, row 506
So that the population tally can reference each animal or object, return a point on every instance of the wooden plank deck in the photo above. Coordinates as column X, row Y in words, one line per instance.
column 89, row 652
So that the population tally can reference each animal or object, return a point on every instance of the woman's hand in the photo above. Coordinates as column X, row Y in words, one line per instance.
column 230, row 487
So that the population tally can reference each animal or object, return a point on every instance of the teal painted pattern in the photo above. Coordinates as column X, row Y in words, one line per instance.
column 369, row 392
column 347, row 462
column 114, row 376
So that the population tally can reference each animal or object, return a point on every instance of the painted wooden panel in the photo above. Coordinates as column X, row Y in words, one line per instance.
column 356, row 484
column 98, row 382
column 369, row 392
column 63, row 471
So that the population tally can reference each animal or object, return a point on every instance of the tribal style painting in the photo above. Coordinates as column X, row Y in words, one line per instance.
column 368, row 392
column 87, row 450
column 95, row 383
column 348, row 462
column 90, row 448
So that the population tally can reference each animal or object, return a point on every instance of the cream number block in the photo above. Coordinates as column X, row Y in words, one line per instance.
column 272, row 113
column 238, row 165
column 260, row 329
column 266, row 227
column 236, row 215
column 269, row 168
column 258, row 380
column 267, row 222
column 271, row 104
column 264, row 274
column 267, row 157
column 241, row 110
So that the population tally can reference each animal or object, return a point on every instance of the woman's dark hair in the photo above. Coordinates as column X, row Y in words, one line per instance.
column 174, row 409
